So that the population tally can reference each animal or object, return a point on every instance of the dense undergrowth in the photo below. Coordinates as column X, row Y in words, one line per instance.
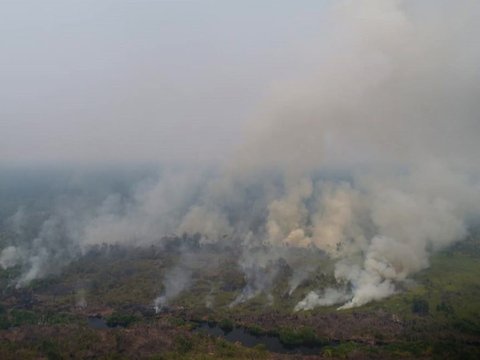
column 435, row 315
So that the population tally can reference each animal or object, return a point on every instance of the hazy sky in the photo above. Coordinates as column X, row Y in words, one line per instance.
column 387, row 90
column 84, row 81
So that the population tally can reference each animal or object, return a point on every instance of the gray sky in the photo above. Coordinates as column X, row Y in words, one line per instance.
column 122, row 81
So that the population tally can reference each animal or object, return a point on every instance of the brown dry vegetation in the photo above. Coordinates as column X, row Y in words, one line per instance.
column 439, row 317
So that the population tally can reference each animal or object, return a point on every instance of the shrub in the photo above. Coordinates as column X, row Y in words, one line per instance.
column 123, row 320
column 304, row 336
column 20, row 317
column 255, row 330
column 183, row 344
column 50, row 349
column 4, row 323
column 226, row 325
column 420, row 306
column 446, row 308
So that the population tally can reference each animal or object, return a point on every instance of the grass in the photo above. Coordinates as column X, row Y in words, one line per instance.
column 450, row 287
column 439, row 309
column 303, row 336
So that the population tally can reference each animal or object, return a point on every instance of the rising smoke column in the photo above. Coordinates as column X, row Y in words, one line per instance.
column 389, row 100
column 392, row 101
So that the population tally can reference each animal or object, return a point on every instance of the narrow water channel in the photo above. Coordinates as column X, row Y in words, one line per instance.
column 237, row 334
column 96, row 322
column 271, row 343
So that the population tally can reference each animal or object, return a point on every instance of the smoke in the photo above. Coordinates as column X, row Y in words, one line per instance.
column 260, row 269
column 392, row 102
column 55, row 244
column 329, row 297
column 302, row 273
column 9, row 257
column 156, row 210
column 80, row 298
column 191, row 261
column 175, row 281
column 210, row 224
column 368, row 154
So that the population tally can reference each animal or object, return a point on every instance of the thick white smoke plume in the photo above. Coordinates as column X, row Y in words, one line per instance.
column 369, row 154
column 393, row 102
column 329, row 297
column 175, row 281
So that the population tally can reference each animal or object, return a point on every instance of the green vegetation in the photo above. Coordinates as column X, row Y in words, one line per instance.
column 226, row 325
column 255, row 330
column 437, row 314
column 420, row 306
column 304, row 336
column 119, row 319
column 183, row 344
column 21, row 317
